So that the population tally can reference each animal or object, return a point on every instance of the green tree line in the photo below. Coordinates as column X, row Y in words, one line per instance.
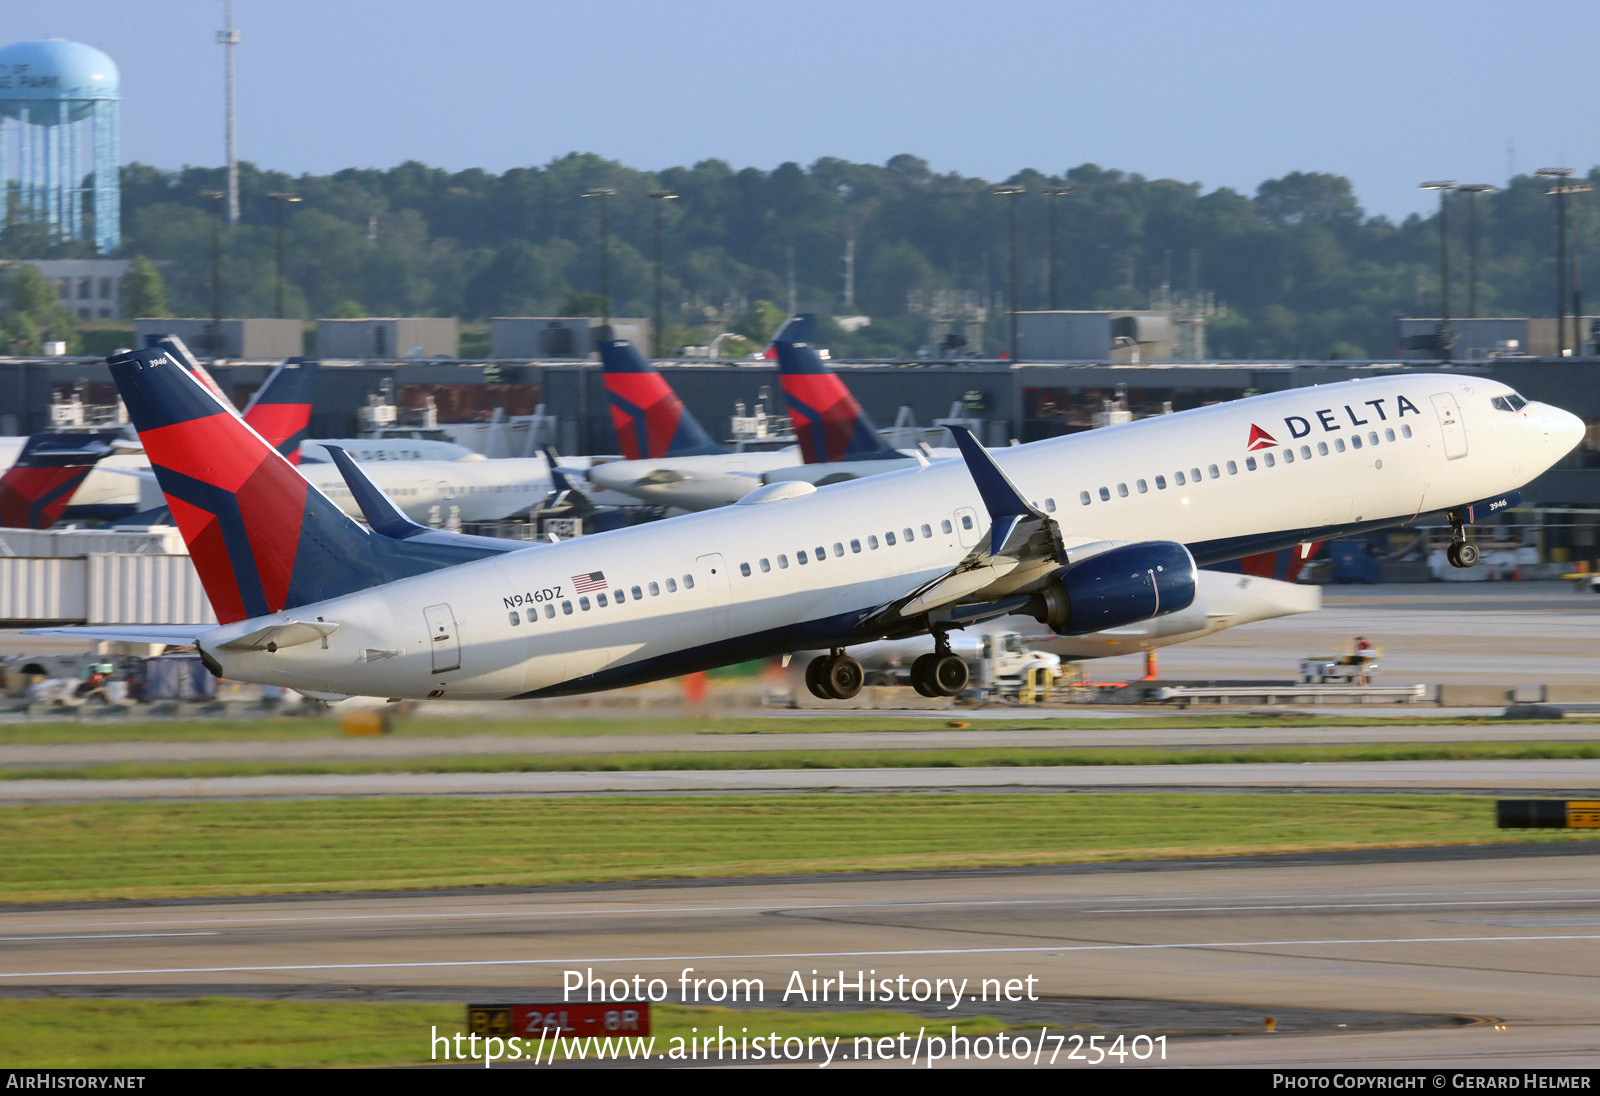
column 1298, row 269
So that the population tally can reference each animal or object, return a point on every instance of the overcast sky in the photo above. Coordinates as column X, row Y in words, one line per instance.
column 1227, row 93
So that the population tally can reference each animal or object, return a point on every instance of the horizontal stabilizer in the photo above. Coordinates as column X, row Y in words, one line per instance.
column 275, row 636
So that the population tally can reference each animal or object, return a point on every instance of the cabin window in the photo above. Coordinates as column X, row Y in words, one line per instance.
column 838, row 549
column 1215, row 472
column 872, row 543
column 822, row 553
column 549, row 611
column 1305, row 452
column 621, row 597
column 1372, row 436
column 888, row 539
column 672, row 586
column 1049, row 507
column 1122, row 490
column 800, row 558
column 783, row 563
column 910, row 536
column 1355, row 441
column 1233, row 468
column 1388, row 433
column 600, row 600
column 1249, row 464
column 966, row 522
column 583, row 603
column 1322, row 448
column 1288, row 456
column 765, row 566
column 1105, row 494
column 637, row 596
column 566, row 608
column 855, row 546
column 927, row 532
column 688, row 582
column 1144, row 488
column 1268, row 459
column 515, row 619
column 1194, row 474
column 1405, row 431
column 1083, row 497
column 1338, row 444
column 1177, row 478
column 946, row 526
column 655, row 591
column 1161, row 483
column 744, row 569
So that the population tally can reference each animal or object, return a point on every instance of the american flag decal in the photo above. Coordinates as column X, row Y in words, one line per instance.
column 594, row 580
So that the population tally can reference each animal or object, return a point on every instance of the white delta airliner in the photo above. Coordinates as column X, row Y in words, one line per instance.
column 1086, row 532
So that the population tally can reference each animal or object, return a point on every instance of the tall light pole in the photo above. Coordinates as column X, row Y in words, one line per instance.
column 1557, row 189
column 1443, row 186
column 1472, row 190
column 657, row 197
column 605, row 194
column 1570, row 266
column 1012, row 190
column 282, row 199
column 1055, row 282
column 216, row 197
column 228, row 38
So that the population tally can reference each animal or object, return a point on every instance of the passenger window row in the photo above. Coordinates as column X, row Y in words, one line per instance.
column 1179, row 478
column 803, row 557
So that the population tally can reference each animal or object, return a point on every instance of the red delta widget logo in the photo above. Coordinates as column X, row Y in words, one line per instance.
column 1299, row 426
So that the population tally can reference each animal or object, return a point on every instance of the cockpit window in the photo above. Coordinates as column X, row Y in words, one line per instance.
column 1509, row 402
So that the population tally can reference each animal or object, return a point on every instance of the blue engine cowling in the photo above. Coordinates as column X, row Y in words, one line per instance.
column 1117, row 587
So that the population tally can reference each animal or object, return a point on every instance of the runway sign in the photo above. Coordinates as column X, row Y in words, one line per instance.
column 1557, row 814
column 531, row 1021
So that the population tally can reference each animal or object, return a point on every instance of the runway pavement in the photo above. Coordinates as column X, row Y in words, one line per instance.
column 1377, row 958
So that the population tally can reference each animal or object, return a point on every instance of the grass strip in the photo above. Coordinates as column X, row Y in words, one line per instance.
column 71, row 852
column 226, row 1032
column 286, row 729
column 954, row 758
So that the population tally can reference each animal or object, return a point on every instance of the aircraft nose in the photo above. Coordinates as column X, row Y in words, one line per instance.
column 1563, row 428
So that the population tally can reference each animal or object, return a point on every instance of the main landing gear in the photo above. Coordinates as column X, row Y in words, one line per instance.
column 1461, row 553
column 941, row 673
column 834, row 676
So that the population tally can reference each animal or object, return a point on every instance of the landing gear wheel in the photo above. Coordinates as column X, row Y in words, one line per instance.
column 922, row 675
column 949, row 675
column 816, row 680
column 1464, row 554
column 843, row 677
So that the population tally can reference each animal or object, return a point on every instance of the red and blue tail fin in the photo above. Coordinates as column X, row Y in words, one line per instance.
column 280, row 411
column 651, row 420
column 36, row 489
column 261, row 537
column 829, row 422
column 179, row 350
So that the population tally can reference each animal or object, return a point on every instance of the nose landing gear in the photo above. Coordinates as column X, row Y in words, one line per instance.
column 1461, row 552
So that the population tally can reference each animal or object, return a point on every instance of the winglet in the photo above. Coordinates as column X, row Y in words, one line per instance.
column 385, row 518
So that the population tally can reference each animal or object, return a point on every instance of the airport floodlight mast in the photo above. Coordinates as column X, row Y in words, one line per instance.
column 1561, row 251
column 282, row 199
column 1055, row 281
column 1443, row 186
column 1472, row 190
column 228, row 38
column 59, row 102
column 657, row 197
column 214, row 336
column 605, row 194
column 1012, row 190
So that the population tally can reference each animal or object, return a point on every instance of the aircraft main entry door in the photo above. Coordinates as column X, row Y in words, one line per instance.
column 442, row 638
column 1455, row 432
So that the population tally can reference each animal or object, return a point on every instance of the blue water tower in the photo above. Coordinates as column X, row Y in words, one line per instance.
column 58, row 139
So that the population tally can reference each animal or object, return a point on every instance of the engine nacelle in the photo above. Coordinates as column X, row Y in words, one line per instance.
column 1117, row 587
